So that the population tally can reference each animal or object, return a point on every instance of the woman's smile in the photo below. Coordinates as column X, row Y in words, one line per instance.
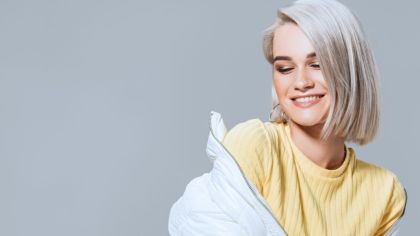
column 307, row 101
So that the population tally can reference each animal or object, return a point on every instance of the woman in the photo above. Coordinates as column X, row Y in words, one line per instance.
column 294, row 175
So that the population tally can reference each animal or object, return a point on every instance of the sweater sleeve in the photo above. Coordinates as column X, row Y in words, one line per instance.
column 395, row 209
column 249, row 144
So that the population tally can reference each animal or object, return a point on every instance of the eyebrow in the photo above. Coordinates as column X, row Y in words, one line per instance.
column 287, row 58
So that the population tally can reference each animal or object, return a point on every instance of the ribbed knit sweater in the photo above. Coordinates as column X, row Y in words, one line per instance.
column 358, row 198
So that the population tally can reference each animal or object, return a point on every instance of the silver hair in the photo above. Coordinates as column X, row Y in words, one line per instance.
column 347, row 64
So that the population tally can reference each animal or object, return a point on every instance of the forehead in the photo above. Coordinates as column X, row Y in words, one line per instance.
column 290, row 40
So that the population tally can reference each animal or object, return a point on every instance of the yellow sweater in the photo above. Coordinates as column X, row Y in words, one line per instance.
column 358, row 198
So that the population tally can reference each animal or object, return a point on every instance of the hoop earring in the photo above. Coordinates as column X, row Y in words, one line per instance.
column 281, row 115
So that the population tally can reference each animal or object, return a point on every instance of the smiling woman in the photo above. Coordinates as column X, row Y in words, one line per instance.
column 294, row 174
column 348, row 66
column 297, row 78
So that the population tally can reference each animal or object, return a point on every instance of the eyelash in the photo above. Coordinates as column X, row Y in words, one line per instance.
column 284, row 71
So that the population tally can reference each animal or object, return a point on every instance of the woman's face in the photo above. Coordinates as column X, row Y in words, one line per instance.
column 297, row 77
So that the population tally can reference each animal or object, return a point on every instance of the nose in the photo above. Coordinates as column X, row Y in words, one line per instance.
column 303, row 82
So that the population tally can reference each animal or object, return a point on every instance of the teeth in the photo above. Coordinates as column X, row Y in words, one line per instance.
column 307, row 99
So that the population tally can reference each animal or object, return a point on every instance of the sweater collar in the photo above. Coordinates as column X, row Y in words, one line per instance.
column 309, row 167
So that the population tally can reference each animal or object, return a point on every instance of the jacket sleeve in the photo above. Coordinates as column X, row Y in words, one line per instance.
column 195, row 213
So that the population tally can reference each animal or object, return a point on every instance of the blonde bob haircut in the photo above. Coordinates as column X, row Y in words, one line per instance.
column 347, row 64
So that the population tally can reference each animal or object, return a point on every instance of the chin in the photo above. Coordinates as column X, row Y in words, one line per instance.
column 307, row 119
column 313, row 116
column 307, row 123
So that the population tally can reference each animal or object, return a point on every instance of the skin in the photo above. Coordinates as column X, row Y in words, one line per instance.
column 300, row 75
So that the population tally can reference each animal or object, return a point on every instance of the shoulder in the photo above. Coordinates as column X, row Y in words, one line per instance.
column 248, row 134
column 254, row 136
column 249, row 144
column 258, row 128
column 376, row 173
column 384, row 182
column 276, row 134
column 384, row 188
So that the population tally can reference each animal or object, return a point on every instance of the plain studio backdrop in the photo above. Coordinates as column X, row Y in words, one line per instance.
column 105, row 105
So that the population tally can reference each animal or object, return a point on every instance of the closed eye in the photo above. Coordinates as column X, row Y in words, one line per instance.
column 315, row 65
column 284, row 70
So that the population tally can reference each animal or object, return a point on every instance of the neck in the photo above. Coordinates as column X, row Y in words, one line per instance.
column 328, row 154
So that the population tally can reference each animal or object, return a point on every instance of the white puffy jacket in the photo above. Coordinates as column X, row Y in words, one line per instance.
column 224, row 201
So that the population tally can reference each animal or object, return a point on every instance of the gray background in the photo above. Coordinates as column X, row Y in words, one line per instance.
column 105, row 104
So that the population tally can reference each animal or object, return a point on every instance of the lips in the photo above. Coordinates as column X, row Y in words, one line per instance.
column 307, row 101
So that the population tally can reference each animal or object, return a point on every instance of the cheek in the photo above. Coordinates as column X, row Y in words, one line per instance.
column 281, row 86
column 320, row 79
